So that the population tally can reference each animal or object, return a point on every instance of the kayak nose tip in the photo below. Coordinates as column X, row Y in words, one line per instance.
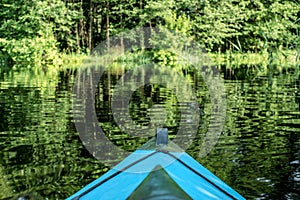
column 161, row 136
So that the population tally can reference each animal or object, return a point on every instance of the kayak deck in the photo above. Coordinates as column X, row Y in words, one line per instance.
column 159, row 185
column 183, row 173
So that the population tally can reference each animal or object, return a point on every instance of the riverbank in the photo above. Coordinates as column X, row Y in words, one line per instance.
column 264, row 58
column 228, row 59
column 285, row 58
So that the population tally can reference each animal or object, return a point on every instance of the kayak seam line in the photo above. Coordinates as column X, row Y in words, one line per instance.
column 113, row 175
column 197, row 173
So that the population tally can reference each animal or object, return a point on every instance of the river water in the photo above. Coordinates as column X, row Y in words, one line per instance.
column 257, row 153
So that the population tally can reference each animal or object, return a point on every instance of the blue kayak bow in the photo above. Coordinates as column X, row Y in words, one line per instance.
column 158, row 170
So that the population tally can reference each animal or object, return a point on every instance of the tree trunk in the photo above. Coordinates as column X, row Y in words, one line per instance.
column 82, row 25
column 90, row 36
column 107, row 25
column 77, row 37
column 142, row 41
column 122, row 29
column 82, row 32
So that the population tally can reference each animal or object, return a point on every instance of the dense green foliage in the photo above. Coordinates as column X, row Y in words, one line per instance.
column 36, row 30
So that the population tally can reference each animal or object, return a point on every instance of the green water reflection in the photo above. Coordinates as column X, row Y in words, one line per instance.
column 258, row 153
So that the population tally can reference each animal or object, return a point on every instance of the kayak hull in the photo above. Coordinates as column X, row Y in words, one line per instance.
column 121, row 181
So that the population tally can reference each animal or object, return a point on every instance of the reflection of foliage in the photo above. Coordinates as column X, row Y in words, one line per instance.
column 40, row 146
column 167, row 84
column 40, row 151
column 146, row 97
column 6, row 190
column 261, row 127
